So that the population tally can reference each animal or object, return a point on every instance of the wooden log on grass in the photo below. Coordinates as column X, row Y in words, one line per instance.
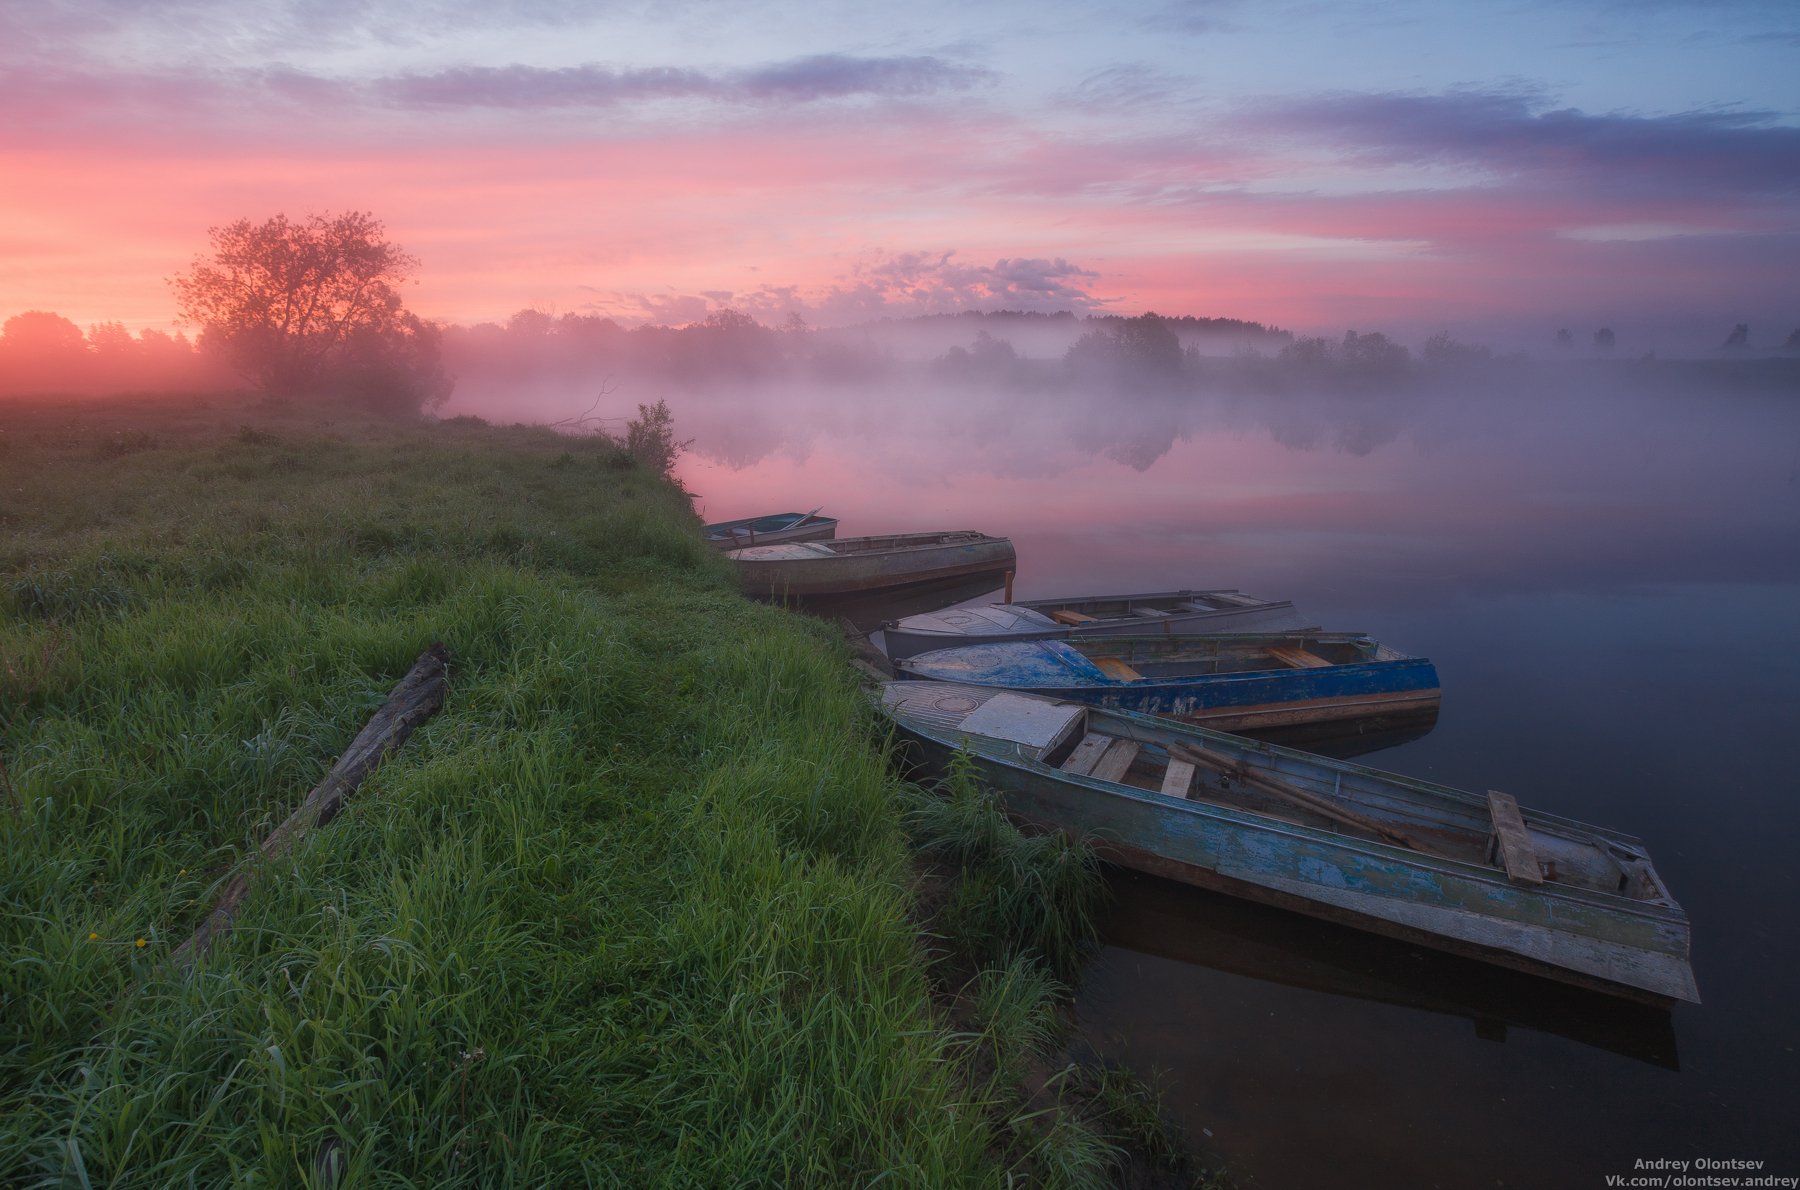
column 417, row 697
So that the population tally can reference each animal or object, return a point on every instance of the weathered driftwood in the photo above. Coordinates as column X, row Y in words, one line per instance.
column 417, row 697
column 1275, row 787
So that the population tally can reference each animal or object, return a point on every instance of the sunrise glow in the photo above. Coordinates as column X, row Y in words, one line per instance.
column 1422, row 167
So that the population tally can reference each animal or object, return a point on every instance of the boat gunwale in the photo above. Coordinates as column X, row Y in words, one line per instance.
column 1151, row 682
column 937, row 542
column 1261, row 604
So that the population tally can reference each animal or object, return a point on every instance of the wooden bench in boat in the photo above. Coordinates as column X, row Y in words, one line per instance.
column 1115, row 667
column 1178, row 781
column 1074, row 619
column 1297, row 658
column 1101, row 756
column 1512, row 839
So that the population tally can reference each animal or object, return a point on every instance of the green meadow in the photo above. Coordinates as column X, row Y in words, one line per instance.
column 644, row 904
column 633, row 909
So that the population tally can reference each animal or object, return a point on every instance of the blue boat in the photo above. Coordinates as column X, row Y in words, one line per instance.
column 1258, row 683
column 771, row 530
column 1441, row 867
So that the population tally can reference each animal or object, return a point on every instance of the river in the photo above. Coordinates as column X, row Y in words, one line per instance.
column 1608, row 584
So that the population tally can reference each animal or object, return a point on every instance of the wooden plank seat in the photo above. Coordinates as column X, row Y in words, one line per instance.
column 1073, row 619
column 1115, row 667
column 1512, row 839
column 1102, row 756
column 1296, row 657
column 1178, row 781
column 1115, row 760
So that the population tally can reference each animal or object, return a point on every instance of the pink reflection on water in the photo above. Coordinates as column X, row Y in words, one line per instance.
column 1217, row 510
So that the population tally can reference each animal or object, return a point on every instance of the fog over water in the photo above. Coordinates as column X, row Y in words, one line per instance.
column 1602, row 558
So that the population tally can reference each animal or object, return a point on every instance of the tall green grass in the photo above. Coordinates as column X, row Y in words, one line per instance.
column 1014, row 894
column 631, row 910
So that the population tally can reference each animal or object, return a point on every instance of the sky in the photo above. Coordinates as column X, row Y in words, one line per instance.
column 1497, row 170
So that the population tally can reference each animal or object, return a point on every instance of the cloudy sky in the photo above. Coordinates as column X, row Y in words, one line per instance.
column 1497, row 169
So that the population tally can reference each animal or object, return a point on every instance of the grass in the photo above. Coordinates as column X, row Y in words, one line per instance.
column 1014, row 894
column 632, row 910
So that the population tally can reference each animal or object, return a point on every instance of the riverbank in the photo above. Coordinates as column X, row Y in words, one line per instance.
column 637, row 906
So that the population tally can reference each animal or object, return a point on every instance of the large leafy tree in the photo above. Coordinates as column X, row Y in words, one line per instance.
column 301, row 306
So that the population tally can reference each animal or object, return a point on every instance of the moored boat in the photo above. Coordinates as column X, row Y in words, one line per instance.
column 1090, row 615
column 1394, row 855
column 771, row 530
column 851, row 565
column 1243, row 682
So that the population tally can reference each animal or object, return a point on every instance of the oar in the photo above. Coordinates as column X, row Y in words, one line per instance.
column 1276, row 787
column 809, row 516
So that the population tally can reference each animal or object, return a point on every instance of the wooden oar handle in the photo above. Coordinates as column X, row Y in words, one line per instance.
column 1276, row 787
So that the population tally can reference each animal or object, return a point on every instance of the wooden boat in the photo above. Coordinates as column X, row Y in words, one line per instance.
column 1090, row 615
column 1246, row 682
column 856, row 564
column 1426, row 863
column 771, row 530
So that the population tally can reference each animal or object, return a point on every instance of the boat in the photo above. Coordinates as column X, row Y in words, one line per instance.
column 1246, row 682
column 1393, row 855
column 771, row 530
column 852, row 565
column 1090, row 615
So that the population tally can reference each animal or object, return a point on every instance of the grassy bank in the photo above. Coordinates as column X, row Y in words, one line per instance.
column 632, row 909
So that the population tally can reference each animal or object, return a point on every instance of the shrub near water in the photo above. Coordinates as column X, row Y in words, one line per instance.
column 628, row 911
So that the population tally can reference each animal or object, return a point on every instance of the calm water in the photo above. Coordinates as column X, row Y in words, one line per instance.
column 1609, row 588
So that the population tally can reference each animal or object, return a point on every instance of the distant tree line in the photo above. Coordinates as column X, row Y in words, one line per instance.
column 41, row 352
column 312, row 308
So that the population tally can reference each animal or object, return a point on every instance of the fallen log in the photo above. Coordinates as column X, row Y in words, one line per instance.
column 417, row 697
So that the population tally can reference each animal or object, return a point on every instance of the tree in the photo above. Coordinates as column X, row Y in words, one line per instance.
column 1129, row 351
column 41, row 334
column 650, row 438
column 1738, row 338
column 301, row 306
column 1445, row 353
column 1603, row 339
column 42, row 351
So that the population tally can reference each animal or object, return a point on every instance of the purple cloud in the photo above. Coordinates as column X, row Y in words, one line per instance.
column 899, row 285
column 801, row 80
column 833, row 76
column 1709, row 151
column 533, row 87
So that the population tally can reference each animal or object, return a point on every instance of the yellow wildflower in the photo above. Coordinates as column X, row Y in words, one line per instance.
column 93, row 937
column 141, row 943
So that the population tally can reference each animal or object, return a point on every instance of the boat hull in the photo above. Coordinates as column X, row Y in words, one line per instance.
column 1028, row 620
column 810, row 570
column 1390, row 692
column 1611, row 944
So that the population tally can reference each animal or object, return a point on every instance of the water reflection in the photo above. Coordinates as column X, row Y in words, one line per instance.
column 1199, row 929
